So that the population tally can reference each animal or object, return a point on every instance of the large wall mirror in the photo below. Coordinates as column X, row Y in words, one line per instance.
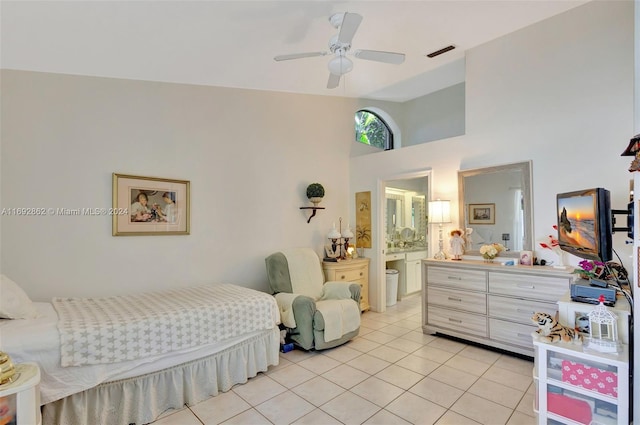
column 496, row 203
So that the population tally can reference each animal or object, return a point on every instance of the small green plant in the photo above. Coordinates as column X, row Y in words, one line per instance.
column 315, row 190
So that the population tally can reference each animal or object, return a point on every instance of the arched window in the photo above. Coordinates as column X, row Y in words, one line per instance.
column 373, row 130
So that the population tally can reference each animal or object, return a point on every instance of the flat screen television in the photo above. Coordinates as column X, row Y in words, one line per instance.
column 584, row 223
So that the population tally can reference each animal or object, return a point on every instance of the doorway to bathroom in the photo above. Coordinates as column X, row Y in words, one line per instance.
column 405, row 234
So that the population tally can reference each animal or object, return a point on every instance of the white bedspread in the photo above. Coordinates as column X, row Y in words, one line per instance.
column 122, row 328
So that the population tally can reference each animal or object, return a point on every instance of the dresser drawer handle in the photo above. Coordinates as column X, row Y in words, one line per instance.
column 526, row 286
column 454, row 277
column 454, row 299
column 342, row 277
column 362, row 285
column 522, row 310
column 455, row 320
column 361, row 273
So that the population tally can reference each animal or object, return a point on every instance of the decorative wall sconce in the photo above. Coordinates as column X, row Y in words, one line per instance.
column 440, row 213
column 315, row 193
column 339, row 246
column 633, row 150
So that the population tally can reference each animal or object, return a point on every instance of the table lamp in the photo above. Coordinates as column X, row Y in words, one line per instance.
column 440, row 213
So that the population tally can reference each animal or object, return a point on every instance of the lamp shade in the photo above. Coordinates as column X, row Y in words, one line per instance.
column 439, row 211
column 333, row 233
column 347, row 233
column 340, row 65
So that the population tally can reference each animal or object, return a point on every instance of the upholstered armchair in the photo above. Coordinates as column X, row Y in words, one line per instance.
column 318, row 314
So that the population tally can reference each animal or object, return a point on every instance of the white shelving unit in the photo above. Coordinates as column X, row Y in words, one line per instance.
column 569, row 393
column 25, row 393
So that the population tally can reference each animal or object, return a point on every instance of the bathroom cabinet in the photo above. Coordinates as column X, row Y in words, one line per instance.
column 409, row 265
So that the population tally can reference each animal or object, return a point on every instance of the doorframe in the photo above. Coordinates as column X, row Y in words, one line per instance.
column 381, row 231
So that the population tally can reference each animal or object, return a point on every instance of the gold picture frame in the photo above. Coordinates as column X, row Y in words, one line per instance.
column 363, row 220
column 150, row 206
column 482, row 214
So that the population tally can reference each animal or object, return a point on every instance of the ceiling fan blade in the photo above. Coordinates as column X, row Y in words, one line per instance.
column 350, row 24
column 376, row 55
column 298, row 56
column 333, row 82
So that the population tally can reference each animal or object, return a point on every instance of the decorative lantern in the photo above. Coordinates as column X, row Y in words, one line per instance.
column 603, row 330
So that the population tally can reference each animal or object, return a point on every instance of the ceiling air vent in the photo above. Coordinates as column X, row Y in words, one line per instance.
column 441, row 51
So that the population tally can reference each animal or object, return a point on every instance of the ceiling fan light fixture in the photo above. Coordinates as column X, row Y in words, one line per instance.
column 340, row 65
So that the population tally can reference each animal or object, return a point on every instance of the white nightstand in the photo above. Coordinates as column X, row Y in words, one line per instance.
column 25, row 393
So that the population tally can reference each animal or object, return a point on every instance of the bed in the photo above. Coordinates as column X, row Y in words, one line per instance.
column 86, row 380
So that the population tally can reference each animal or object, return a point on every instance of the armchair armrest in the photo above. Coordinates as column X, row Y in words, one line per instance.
column 354, row 288
column 339, row 290
column 304, row 309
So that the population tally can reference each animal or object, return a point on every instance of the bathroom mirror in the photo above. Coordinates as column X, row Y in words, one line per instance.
column 405, row 214
column 496, row 203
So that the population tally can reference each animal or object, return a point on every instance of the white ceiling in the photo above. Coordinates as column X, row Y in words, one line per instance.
column 232, row 43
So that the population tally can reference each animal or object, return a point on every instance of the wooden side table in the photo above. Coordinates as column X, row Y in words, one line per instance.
column 355, row 270
column 24, row 395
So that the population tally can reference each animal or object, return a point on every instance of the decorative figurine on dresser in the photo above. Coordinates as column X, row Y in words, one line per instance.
column 550, row 330
column 457, row 244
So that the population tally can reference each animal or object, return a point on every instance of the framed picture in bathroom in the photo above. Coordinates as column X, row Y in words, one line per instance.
column 482, row 213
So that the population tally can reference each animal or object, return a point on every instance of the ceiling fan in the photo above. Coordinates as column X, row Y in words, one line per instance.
column 340, row 44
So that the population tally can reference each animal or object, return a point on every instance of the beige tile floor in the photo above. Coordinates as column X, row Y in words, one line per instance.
column 390, row 374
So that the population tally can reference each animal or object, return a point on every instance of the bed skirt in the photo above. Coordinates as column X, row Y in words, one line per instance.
column 140, row 400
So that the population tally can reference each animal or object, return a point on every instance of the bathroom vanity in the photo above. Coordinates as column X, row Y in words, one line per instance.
column 409, row 265
column 490, row 303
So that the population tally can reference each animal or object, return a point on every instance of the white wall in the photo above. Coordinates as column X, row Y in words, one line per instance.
column 248, row 154
column 559, row 93
column 434, row 116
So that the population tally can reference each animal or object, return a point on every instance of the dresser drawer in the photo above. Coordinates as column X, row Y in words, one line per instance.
column 518, row 310
column 349, row 275
column 526, row 286
column 511, row 333
column 394, row 257
column 473, row 302
column 475, row 280
column 455, row 320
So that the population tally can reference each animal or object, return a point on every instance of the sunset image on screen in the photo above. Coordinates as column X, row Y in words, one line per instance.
column 576, row 224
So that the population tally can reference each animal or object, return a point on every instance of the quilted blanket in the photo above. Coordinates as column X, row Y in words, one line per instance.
column 114, row 329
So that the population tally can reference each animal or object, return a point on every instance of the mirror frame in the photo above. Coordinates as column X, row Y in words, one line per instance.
column 527, row 177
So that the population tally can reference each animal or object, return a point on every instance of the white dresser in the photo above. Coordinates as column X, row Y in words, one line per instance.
column 489, row 303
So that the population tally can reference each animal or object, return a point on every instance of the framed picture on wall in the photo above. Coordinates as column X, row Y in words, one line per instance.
column 363, row 220
column 482, row 213
column 145, row 206
column 526, row 258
